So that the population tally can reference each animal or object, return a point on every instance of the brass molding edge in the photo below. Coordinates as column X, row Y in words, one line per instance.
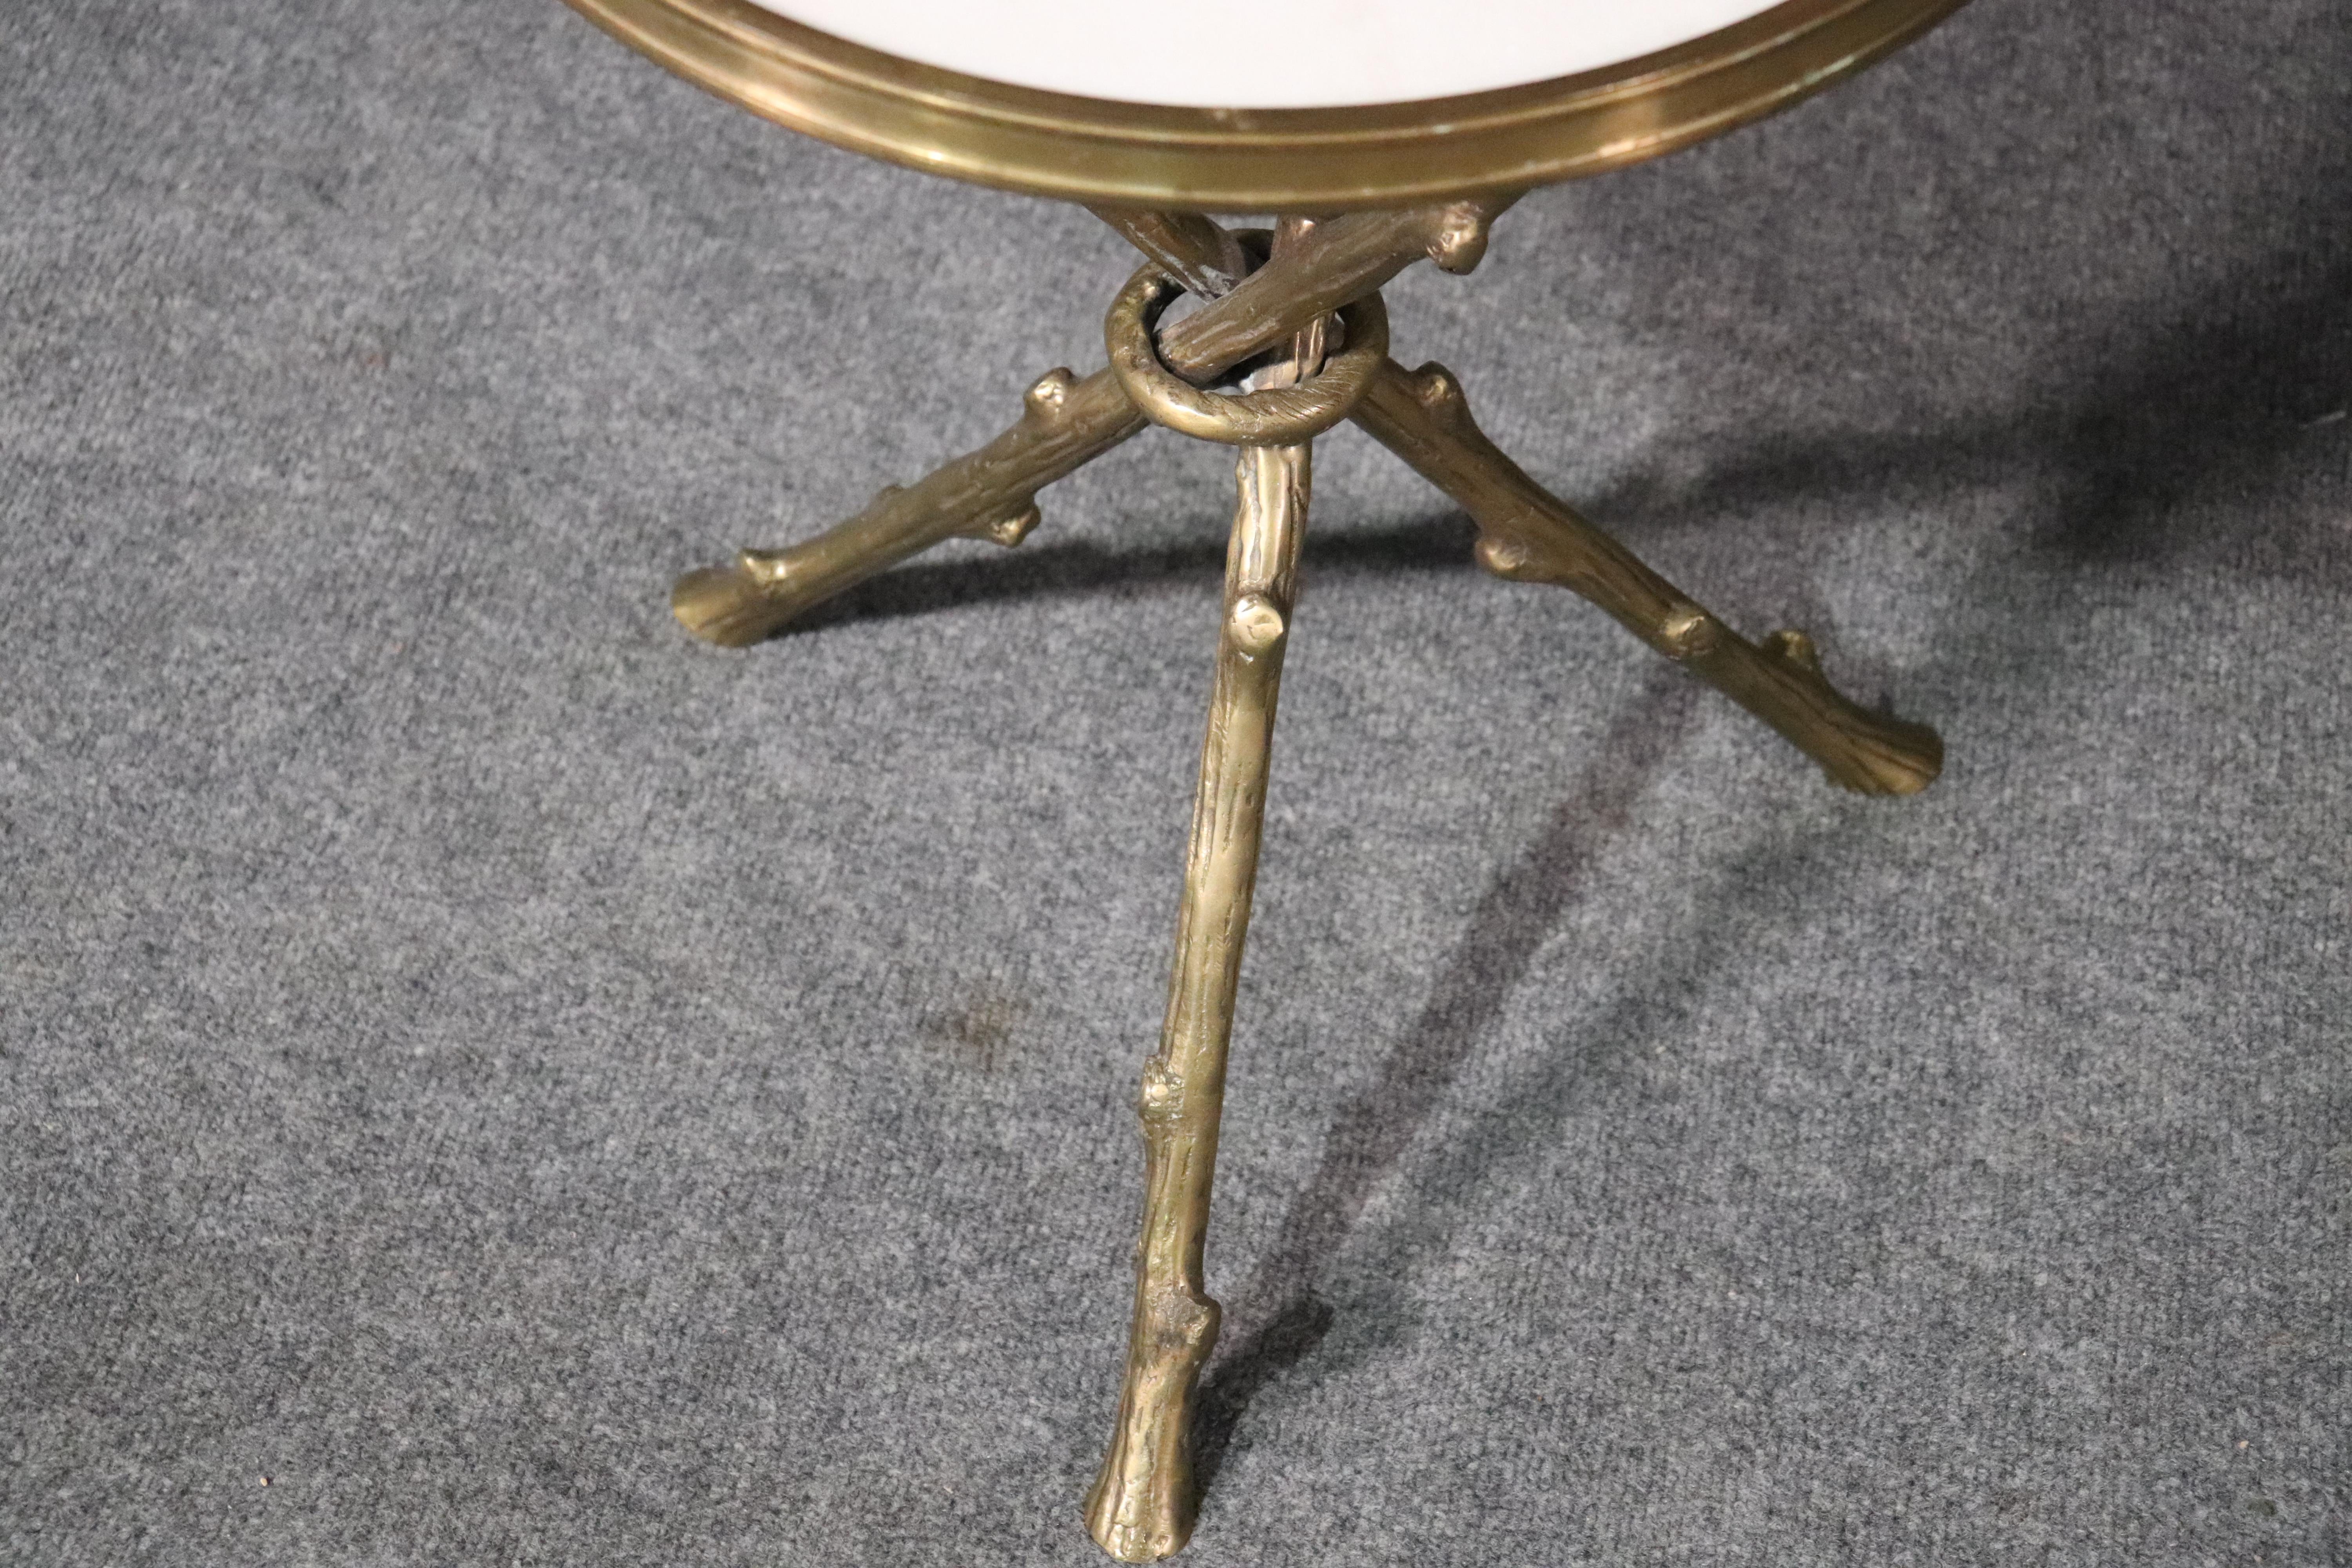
column 1207, row 160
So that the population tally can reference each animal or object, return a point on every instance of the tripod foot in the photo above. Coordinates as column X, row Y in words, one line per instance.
column 989, row 494
column 1779, row 679
column 728, row 605
column 1529, row 535
column 738, row 605
column 1872, row 753
column 1141, row 1506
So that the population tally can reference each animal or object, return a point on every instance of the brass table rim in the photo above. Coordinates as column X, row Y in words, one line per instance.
column 1324, row 159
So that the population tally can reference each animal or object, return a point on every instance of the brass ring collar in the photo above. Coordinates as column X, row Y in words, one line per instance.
column 1274, row 416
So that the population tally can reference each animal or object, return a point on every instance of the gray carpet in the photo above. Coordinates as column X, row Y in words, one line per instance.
column 487, row 1080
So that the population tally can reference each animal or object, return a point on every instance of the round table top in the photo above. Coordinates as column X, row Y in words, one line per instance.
column 1269, row 54
column 1263, row 105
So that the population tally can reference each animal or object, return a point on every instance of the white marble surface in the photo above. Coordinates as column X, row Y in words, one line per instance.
column 1269, row 54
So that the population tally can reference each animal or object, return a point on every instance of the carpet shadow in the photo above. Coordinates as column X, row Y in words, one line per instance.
column 1277, row 1317
column 2231, row 399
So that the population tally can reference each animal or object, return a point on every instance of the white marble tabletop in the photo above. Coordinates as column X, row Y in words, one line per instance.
column 1269, row 54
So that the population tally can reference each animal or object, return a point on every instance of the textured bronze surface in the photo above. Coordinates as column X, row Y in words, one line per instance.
column 1064, row 422
column 1529, row 535
column 1197, row 251
column 1141, row 1507
column 1279, row 160
column 1067, row 421
column 1269, row 417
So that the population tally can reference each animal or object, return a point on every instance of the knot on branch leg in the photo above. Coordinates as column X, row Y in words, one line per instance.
column 1505, row 557
column 1161, row 1099
column 1181, row 1328
column 768, row 568
column 1688, row 632
column 1459, row 243
column 1438, row 390
column 1257, row 624
column 1794, row 648
column 1008, row 527
column 1866, row 752
column 735, row 606
column 1048, row 396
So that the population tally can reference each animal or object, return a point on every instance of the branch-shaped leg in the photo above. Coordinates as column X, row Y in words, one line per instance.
column 1141, row 1507
column 991, row 493
column 1528, row 534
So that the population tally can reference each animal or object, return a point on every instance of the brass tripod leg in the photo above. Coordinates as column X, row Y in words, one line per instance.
column 987, row 494
column 1141, row 1507
column 1528, row 534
